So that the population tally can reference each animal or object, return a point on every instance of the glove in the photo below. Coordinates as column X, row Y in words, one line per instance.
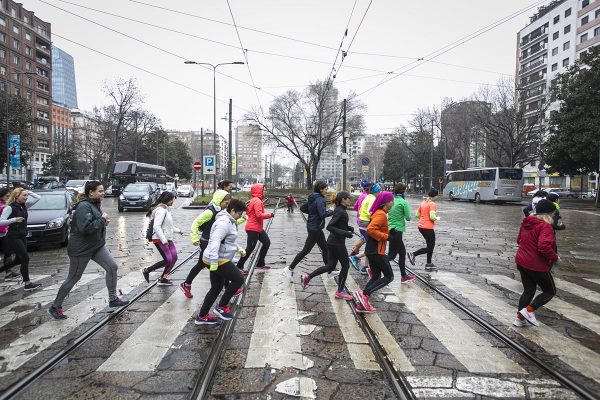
column 272, row 215
column 351, row 228
column 214, row 267
column 438, row 219
column 348, row 234
column 241, row 252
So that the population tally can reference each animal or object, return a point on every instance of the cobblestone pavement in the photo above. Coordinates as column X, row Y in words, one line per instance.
column 289, row 341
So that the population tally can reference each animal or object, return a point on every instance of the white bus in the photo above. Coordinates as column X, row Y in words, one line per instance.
column 496, row 184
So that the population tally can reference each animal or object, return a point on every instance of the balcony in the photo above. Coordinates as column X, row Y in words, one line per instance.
column 532, row 65
column 533, row 53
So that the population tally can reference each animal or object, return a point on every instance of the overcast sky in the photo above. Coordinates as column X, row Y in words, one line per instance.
column 393, row 32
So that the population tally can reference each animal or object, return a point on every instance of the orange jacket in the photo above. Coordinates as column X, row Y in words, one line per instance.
column 378, row 231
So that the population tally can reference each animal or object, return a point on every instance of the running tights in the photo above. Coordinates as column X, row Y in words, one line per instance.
column 335, row 253
column 530, row 279
column 17, row 246
column 169, row 254
column 199, row 265
column 379, row 265
column 253, row 239
column 429, row 235
column 314, row 237
column 397, row 248
column 225, row 272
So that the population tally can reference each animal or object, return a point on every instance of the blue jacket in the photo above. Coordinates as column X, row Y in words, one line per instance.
column 316, row 209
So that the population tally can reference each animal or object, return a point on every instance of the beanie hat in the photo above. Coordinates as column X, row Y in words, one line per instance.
column 365, row 183
column 544, row 207
column 432, row 192
column 380, row 201
column 376, row 188
column 552, row 196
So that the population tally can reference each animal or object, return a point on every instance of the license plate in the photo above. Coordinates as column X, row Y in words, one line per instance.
column 509, row 194
column 28, row 234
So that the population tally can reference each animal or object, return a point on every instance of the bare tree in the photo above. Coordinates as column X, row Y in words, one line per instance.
column 307, row 123
column 140, row 124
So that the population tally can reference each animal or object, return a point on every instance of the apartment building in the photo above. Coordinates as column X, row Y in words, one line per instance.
column 249, row 152
column 203, row 143
column 554, row 39
column 26, row 70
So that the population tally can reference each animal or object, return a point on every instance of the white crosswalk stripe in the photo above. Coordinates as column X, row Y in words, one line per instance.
column 459, row 338
column 574, row 313
column 596, row 281
column 45, row 296
column 7, row 286
column 578, row 290
column 580, row 358
column 146, row 347
column 29, row 345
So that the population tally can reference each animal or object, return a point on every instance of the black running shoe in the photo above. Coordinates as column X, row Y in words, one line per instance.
column 56, row 312
column 146, row 274
column 411, row 258
column 32, row 286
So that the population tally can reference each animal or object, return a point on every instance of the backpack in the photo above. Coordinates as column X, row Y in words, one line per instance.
column 150, row 229
column 206, row 226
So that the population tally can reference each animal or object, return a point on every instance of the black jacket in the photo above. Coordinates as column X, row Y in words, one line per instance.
column 316, row 209
column 18, row 229
column 338, row 226
column 88, row 229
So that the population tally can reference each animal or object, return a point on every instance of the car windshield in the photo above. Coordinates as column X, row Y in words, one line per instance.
column 75, row 183
column 184, row 187
column 50, row 202
column 137, row 188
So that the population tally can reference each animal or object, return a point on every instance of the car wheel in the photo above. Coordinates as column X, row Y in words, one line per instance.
column 477, row 198
column 451, row 196
column 120, row 209
column 65, row 241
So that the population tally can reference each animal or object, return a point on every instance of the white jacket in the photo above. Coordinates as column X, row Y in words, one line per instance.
column 163, row 228
column 222, row 244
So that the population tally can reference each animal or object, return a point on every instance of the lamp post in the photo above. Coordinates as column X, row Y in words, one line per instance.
column 214, row 68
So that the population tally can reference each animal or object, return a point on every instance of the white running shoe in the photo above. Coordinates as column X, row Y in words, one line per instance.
column 529, row 316
column 333, row 274
column 289, row 273
column 520, row 322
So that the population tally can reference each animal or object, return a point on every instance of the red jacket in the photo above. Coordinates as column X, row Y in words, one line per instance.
column 256, row 210
column 536, row 242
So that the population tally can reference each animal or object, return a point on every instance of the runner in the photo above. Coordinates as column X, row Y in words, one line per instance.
column 162, row 238
column 291, row 202
column 336, row 246
column 254, row 227
column 87, row 242
column 366, row 187
column 378, row 235
column 399, row 213
column 203, row 223
column 535, row 257
column 427, row 219
column 15, row 241
column 221, row 248
column 316, row 208
column 539, row 195
column 10, row 274
column 363, row 221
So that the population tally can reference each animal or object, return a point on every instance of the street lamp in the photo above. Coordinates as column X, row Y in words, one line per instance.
column 214, row 67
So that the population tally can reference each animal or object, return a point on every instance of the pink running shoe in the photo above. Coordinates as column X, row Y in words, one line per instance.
column 239, row 291
column 304, row 281
column 407, row 278
column 186, row 289
column 343, row 295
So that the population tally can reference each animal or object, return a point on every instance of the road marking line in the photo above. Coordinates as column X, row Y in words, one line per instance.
column 275, row 339
column 576, row 314
column 44, row 297
column 467, row 346
column 147, row 346
column 7, row 286
column 587, row 212
column 356, row 341
column 31, row 344
column 578, row 290
column 385, row 338
column 596, row 281
column 580, row 358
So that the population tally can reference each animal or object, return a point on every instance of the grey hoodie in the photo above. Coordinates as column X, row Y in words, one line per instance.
column 222, row 244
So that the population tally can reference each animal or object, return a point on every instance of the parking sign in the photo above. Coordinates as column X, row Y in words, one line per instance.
column 209, row 165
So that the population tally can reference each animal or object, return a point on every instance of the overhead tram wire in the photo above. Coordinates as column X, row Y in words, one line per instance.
column 245, row 58
column 141, row 41
column 453, row 45
column 144, row 70
column 355, row 33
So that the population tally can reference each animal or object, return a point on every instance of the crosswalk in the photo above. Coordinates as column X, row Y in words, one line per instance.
column 277, row 341
column 8, row 286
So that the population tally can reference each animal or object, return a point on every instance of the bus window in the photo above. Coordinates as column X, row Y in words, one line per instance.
column 488, row 175
column 511, row 173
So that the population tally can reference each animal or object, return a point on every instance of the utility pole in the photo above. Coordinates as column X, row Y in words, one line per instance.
column 344, row 151
column 230, row 162
column 431, row 159
column 202, row 160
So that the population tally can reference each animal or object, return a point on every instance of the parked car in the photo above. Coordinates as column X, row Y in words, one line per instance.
column 51, row 185
column 139, row 195
column 564, row 193
column 185, row 191
column 170, row 187
column 48, row 219
column 534, row 191
column 590, row 194
column 109, row 192
column 76, row 184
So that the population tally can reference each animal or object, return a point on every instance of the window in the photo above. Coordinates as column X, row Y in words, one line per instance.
column 29, row 51
column 2, row 70
column 555, row 51
column 28, row 35
column 17, row 91
column 16, row 29
column 28, row 80
column 584, row 20
column 567, row 29
column 566, row 62
column 556, row 19
column 42, row 72
column 585, row 3
column 3, row 37
column 26, row 19
column 13, row 12
column 15, row 59
column 597, row 15
column 554, row 66
column 29, row 95
column 43, row 143
column 567, row 12
column 2, row 21
column 42, row 101
column 597, row 31
column 2, row 53
column 42, row 86
column 583, row 38
column 16, row 44
column 43, row 115
column 27, row 66
column 555, row 35
column 566, row 45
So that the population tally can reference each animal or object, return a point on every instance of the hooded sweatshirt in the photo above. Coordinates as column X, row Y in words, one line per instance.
column 536, row 243
column 358, row 203
column 399, row 213
column 317, row 212
column 163, row 227
column 207, row 217
column 256, row 209
column 378, row 231
column 222, row 244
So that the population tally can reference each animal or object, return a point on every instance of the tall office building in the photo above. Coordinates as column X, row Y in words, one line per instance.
column 64, row 88
column 26, row 71
column 249, row 152
column 554, row 39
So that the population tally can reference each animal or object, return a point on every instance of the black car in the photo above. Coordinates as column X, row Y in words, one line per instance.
column 48, row 219
column 137, row 196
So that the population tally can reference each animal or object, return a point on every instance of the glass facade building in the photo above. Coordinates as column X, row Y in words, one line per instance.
column 64, row 89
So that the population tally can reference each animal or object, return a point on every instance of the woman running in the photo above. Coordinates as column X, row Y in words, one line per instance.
column 87, row 242
column 162, row 237
column 366, row 187
column 535, row 257
column 14, row 215
column 364, row 217
column 221, row 248
column 378, row 235
column 399, row 213
column 200, row 234
column 254, row 227
column 336, row 246
column 427, row 219
column 316, row 208
column 4, row 194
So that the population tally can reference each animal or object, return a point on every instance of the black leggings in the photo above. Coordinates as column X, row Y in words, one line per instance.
column 226, row 272
column 18, row 247
column 379, row 264
column 336, row 252
column 253, row 239
column 397, row 248
column 530, row 280
column 199, row 265
column 429, row 235
column 314, row 237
